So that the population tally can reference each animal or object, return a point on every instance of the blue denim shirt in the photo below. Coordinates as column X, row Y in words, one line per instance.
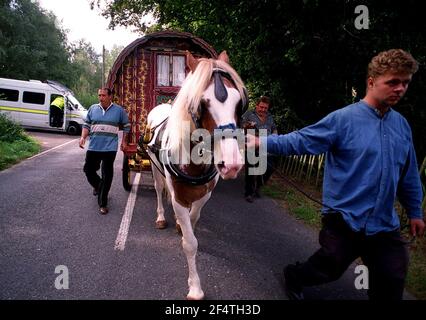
column 369, row 161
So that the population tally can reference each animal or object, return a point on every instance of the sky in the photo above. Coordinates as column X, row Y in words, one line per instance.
column 83, row 23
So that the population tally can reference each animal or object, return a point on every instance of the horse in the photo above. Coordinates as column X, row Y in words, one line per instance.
column 208, row 106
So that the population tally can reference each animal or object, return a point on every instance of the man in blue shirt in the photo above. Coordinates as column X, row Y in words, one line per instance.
column 102, row 124
column 370, row 162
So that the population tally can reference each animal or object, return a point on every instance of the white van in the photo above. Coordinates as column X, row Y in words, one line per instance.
column 32, row 104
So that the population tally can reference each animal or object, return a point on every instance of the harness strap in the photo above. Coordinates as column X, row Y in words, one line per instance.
column 180, row 176
column 161, row 160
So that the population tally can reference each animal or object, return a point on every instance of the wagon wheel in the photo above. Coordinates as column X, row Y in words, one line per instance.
column 127, row 184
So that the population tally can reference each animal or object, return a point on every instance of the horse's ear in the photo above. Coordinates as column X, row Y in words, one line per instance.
column 191, row 61
column 223, row 57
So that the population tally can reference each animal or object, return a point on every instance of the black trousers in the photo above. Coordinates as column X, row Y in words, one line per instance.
column 56, row 116
column 385, row 255
column 252, row 183
column 94, row 160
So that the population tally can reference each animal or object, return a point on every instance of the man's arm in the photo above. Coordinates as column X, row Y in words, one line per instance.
column 84, row 135
column 314, row 139
column 246, row 123
column 123, row 145
column 410, row 193
column 126, row 130
column 85, row 130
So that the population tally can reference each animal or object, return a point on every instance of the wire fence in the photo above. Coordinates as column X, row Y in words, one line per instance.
column 305, row 167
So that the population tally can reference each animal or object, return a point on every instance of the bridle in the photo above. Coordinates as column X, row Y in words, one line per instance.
column 221, row 94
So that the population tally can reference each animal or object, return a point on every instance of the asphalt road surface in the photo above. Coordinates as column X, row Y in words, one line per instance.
column 49, row 222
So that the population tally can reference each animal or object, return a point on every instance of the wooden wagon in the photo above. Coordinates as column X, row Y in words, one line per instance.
column 150, row 71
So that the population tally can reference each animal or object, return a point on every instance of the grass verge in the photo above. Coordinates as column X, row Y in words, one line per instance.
column 297, row 204
column 15, row 144
column 13, row 152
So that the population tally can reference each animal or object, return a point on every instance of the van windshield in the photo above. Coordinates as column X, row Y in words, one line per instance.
column 75, row 103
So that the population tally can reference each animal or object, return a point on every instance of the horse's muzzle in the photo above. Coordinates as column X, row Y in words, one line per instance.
column 228, row 171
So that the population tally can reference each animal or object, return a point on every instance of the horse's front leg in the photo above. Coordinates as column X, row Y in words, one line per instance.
column 196, row 207
column 159, row 184
column 190, row 246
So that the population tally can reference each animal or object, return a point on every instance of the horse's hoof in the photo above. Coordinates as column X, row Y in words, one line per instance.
column 178, row 229
column 162, row 224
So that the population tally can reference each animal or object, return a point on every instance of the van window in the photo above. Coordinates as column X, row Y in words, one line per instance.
column 9, row 95
column 33, row 97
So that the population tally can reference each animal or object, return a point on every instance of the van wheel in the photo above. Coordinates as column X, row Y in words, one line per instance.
column 73, row 129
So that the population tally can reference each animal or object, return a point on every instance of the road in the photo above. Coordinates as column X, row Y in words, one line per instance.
column 49, row 218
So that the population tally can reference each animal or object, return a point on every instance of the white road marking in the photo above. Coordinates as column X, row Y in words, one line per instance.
column 120, row 242
column 44, row 152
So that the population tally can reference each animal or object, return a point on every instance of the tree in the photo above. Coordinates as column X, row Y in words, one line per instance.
column 31, row 44
column 110, row 57
column 87, row 71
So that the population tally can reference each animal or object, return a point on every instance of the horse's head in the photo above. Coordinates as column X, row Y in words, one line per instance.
column 219, row 110
column 212, row 99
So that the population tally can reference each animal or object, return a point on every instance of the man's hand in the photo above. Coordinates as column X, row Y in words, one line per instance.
column 82, row 142
column 252, row 141
column 417, row 227
column 123, row 146
column 249, row 125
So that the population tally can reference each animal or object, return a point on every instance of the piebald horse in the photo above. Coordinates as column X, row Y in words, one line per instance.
column 204, row 114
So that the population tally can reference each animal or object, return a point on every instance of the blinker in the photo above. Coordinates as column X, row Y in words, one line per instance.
column 219, row 88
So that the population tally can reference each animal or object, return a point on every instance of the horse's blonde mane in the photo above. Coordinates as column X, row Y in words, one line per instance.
column 189, row 97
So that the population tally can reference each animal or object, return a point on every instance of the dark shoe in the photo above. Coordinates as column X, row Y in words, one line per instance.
column 103, row 210
column 292, row 287
column 249, row 199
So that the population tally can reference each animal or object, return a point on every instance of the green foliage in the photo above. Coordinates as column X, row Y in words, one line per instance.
column 31, row 45
column 10, row 131
column 110, row 57
column 13, row 152
column 15, row 144
column 87, row 69
column 87, row 99
column 416, row 278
